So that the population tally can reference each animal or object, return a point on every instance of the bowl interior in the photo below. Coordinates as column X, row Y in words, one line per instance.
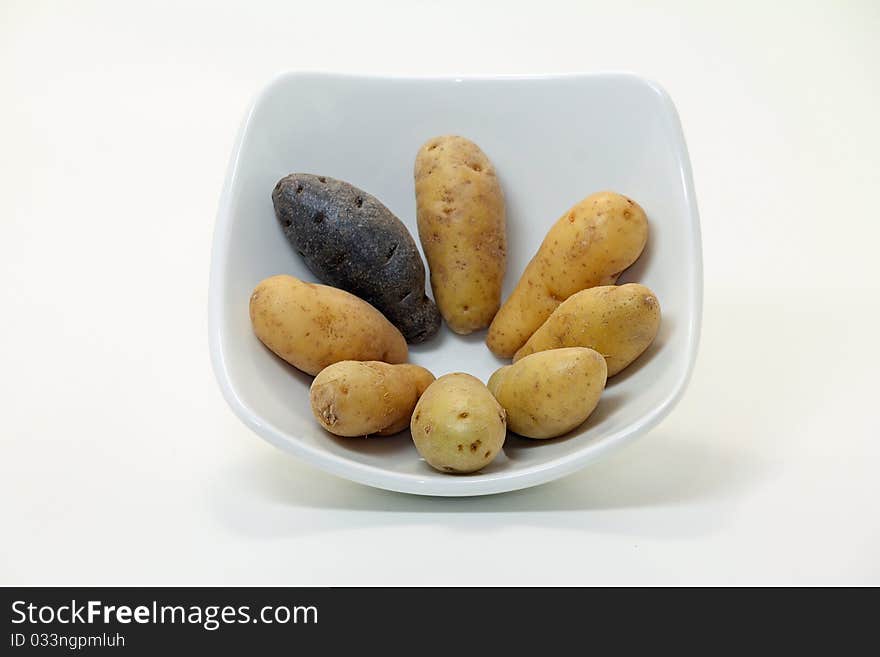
column 553, row 141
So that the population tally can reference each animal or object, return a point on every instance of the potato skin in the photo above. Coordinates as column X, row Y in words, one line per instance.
column 312, row 326
column 359, row 398
column 462, row 228
column 618, row 321
column 457, row 425
column 589, row 245
column 350, row 240
column 549, row 393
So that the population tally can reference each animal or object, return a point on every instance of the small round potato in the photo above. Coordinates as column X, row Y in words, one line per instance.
column 458, row 426
column 359, row 398
column 618, row 321
column 461, row 219
column 549, row 393
column 313, row 326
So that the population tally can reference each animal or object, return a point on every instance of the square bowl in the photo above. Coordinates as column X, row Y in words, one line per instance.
column 553, row 140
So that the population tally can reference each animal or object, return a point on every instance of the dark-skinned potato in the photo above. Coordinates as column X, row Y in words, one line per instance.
column 350, row 240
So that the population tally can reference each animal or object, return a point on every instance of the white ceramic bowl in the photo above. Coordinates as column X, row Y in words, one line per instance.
column 553, row 140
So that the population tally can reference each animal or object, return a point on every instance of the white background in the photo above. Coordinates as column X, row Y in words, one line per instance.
column 121, row 463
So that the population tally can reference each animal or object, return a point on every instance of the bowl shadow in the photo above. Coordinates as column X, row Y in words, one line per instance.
column 661, row 478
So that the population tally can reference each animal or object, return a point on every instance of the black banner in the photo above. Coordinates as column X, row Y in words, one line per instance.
column 152, row 621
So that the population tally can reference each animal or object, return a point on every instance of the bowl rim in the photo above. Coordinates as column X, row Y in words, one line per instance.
column 458, row 486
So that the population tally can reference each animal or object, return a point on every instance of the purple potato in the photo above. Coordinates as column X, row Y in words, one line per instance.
column 350, row 240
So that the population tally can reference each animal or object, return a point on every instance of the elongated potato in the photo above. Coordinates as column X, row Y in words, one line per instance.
column 458, row 426
column 589, row 245
column 359, row 398
column 618, row 321
column 351, row 241
column 549, row 393
column 313, row 326
column 462, row 229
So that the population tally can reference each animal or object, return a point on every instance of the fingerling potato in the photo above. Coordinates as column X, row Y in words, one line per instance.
column 549, row 393
column 350, row 240
column 312, row 326
column 618, row 321
column 359, row 398
column 589, row 245
column 461, row 220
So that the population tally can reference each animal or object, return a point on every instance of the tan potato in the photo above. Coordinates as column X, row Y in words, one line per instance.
column 551, row 392
column 359, row 398
column 313, row 326
column 462, row 229
column 458, row 426
column 589, row 245
column 617, row 321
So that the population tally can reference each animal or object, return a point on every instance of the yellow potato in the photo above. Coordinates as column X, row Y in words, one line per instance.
column 359, row 398
column 313, row 326
column 618, row 321
column 551, row 392
column 461, row 223
column 458, row 426
column 589, row 245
